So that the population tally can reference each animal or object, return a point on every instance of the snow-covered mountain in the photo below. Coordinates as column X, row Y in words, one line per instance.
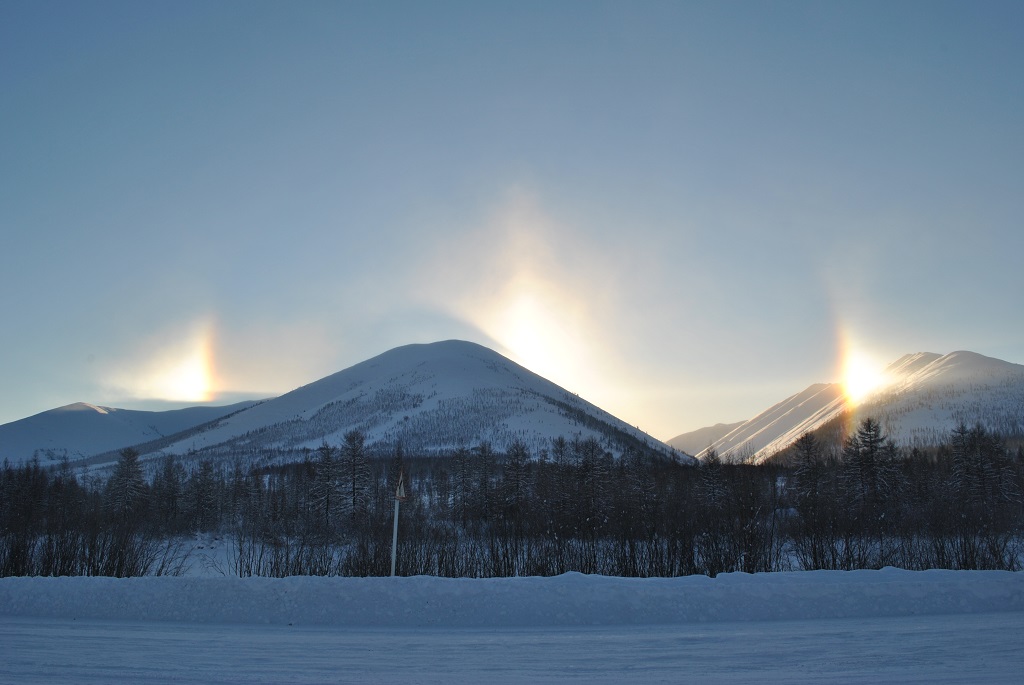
column 930, row 395
column 431, row 398
column 80, row 430
column 698, row 440
column 780, row 425
column 924, row 397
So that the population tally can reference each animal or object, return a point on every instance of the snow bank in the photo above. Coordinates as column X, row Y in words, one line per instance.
column 570, row 600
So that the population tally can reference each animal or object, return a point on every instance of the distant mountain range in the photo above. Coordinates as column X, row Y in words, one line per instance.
column 925, row 396
column 429, row 398
column 438, row 397
column 81, row 430
column 699, row 440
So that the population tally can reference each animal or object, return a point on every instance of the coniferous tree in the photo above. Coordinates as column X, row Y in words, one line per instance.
column 594, row 502
column 711, row 485
column 204, row 496
column 356, row 473
column 870, row 472
column 815, row 534
column 985, row 493
column 167, row 495
column 564, row 487
column 516, row 488
column 714, row 546
column 462, row 488
column 485, row 472
column 125, row 488
column 326, row 497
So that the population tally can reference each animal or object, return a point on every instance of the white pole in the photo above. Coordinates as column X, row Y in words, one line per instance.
column 394, row 539
column 399, row 496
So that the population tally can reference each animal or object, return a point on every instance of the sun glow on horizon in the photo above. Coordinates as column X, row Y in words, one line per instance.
column 529, row 320
column 521, row 328
column 181, row 372
column 190, row 379
column 539, row 294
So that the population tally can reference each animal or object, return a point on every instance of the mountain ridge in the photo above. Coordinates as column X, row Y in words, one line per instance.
column 81, row 429
column 431, row 398
column 924, row 397
column 696, row 441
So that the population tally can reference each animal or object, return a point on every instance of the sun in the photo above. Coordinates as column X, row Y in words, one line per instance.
column 861, row 376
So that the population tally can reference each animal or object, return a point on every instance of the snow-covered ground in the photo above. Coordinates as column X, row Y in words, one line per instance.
column 809, row 627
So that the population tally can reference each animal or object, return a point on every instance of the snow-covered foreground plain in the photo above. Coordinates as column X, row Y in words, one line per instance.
column 810, row 627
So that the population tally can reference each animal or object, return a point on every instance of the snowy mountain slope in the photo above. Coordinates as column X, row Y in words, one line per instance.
column 79, row 430
column 925, row 396
column 432, row 398
column 781, row 424
column 698, row 440
column 926, row 401
column 910, row 364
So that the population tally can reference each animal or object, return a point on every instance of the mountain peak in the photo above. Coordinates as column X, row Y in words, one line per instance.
column 84, row 407
column 909, row 363
column 958, row 367
column 431, row 398
column 928, row 394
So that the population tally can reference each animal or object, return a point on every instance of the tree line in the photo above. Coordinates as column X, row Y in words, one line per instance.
column 573, row 507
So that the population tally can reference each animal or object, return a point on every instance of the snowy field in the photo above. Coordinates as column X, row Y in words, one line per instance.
column 810, row 627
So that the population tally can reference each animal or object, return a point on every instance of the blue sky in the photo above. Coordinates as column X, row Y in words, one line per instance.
column 683, row 211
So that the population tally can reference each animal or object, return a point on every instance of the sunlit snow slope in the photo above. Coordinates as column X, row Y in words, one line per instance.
column 698, row 440
column 926, row 395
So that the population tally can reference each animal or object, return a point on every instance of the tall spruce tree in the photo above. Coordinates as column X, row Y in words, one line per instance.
column 327, row 488
column 126, row 488
column 356, row 472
